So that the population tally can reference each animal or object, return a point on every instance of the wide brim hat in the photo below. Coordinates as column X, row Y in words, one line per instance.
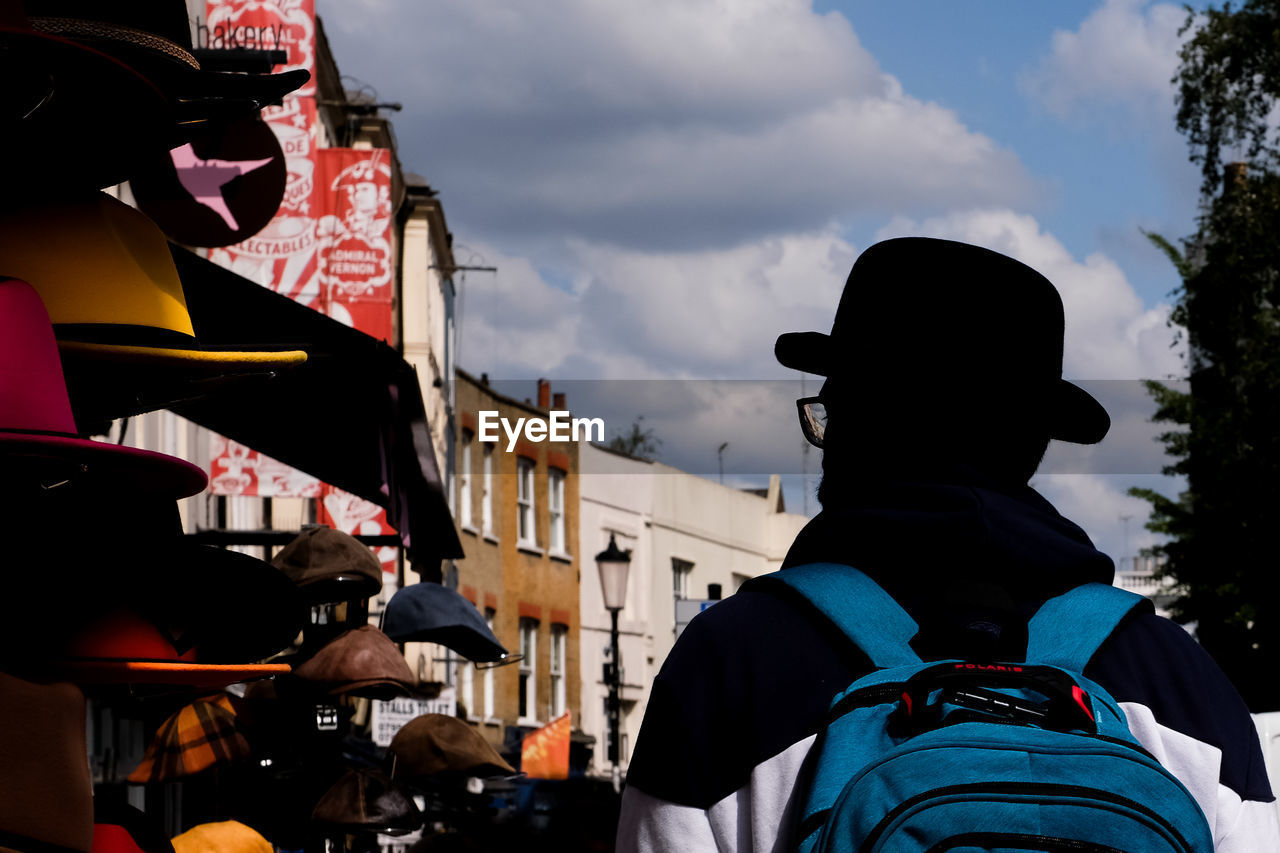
column 437, row 746
column 330, row 566
column 432, row 613
column 46, row 794
column 107, row 278
column 916, row 310
column 362, row 661
column 38, row 434
column 365, row 800
column 155, row 39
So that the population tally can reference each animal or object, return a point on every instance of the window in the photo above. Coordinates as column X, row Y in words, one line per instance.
column 467, row 686
column 524, row 502
column 555, row 507
column 680, row 571
column 486, row 500
column 559, row 642
column 489, row 613
column 464, row 482
column 528, row 707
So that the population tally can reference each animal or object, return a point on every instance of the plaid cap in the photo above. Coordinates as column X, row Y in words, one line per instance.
column 194, row 739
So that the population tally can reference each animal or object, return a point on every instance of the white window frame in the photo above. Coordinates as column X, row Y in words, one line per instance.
column 486, row 500
column 527, row 713
column 489, row 615
column 559, row 646
column 526, row 518
column 681, row 571
column 555, row 510
column 464, row 483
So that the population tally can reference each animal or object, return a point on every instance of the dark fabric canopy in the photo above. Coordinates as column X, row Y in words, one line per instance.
column 431, row 613
column 353, row 415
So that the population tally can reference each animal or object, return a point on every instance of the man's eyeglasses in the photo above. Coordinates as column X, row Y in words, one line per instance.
column 813, row 419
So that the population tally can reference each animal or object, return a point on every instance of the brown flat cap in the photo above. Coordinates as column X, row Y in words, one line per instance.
column 330, row 566
column 46, row 797
column 365, row 800
column 363, row 661
column 441, row 746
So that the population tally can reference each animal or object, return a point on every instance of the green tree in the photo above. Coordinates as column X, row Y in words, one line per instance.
column 636, row 441
column 1221, row 548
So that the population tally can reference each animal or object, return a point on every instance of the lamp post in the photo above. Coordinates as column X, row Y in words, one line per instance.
column 613, row 564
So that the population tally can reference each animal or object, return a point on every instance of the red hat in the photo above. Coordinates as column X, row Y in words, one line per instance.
column 36, row 424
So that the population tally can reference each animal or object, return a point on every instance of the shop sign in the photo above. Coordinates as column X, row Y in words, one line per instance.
column 390, row 715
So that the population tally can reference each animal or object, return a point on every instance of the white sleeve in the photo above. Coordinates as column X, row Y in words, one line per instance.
column 1238, row 825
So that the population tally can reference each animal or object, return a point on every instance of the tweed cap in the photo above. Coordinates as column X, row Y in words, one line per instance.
column 362, row 661
column 440, row 746
column 330, row 566
column 365, row 800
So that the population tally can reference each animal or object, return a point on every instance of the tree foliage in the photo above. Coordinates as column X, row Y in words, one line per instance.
column 1224, row 438
column 636, row 441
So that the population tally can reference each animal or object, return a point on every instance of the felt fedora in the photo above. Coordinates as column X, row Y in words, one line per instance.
column 330, row 566
column 362, row 661
column 437, row 746
column 111, row 288
column 37, row 429
column 137, row 602
column 365, row 800
column 46, row 796
column 929, row 313
column 431, row 613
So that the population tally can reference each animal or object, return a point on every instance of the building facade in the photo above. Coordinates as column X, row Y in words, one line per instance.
column 518, row 521
column 692, row 541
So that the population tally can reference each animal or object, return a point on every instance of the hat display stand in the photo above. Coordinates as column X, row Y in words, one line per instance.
column 123, row 622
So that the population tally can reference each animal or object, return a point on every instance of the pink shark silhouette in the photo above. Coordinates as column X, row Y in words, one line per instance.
column 204, row 179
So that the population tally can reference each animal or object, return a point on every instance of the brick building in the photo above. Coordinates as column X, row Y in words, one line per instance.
column 516, row 511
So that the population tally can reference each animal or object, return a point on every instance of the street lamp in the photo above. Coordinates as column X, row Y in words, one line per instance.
column 613, row 564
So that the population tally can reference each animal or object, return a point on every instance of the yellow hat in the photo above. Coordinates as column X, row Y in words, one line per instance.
column 111, row 288
column 228, row 836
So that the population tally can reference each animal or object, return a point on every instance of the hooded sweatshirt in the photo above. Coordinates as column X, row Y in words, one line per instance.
column 739, row 701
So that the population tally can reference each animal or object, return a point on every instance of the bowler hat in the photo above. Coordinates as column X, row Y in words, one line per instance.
column 37, row 429
column 362, row 661
column 46, row 796
column 439, row 746
column 330, row 566
column 365, row 800
column 920, row 312
column 112, row 290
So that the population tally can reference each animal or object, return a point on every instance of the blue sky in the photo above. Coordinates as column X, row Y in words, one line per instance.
column 665, row 186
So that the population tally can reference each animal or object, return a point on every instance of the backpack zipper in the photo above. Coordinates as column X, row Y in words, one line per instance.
column 1043, row 843
column 1035, row 788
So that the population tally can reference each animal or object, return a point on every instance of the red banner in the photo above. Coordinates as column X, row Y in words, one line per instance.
column 544, row 754
column 353, row 233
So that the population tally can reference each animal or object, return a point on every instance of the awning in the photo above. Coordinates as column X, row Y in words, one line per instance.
column 353, row 415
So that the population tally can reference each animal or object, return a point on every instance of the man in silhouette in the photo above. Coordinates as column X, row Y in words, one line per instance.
column 943, row 389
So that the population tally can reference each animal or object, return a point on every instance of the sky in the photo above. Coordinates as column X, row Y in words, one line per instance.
column 667, row 185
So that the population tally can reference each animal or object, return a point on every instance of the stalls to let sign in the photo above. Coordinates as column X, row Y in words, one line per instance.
column 390, row 715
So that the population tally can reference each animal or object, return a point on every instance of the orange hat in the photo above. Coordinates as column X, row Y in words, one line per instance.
column 228, row 836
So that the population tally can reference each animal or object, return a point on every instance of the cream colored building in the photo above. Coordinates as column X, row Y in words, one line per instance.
column 686, row 534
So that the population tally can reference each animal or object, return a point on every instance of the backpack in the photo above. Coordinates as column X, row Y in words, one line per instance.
column 965, row 756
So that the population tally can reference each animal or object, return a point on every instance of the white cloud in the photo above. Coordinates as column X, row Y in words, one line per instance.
column 669, row 123
column 1099, row 504
column 1123, row 54
column 1110, row 334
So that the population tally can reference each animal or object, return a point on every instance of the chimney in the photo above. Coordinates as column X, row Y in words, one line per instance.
column 544, row 393
column 557, row 401
column 484, row 379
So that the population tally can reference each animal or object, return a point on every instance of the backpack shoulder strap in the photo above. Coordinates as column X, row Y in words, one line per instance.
column 856, row 604
column 1068, row 630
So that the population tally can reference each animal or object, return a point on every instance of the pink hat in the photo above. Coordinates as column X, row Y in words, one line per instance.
column 36, row 424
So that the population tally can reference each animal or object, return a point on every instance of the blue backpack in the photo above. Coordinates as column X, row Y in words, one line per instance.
column 963, row 756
